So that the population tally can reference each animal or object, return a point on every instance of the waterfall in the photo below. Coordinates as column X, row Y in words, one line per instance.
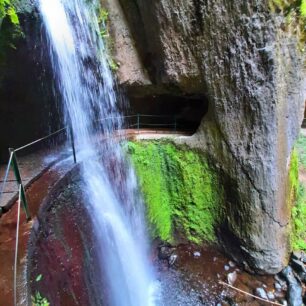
column 79, row 60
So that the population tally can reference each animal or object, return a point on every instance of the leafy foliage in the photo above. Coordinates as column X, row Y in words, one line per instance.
column 298, row 160
column 8, row 9
column 38, row 300
column 303, row 8
column 10, row 30
column 299, row 221
column 182, row 192
column 295, row 12
column 294, row 176
column 103, row 16
column 104, row 32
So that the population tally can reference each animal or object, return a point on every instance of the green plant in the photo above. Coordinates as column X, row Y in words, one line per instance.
column 8, row 9
column 299, row 221
column 295, row 13
column 303, row 8
column 38, row 300
column 104, row 32
column 182, row 191
column 294, row 175
column 103, row 16
column 10, row 30
column 298, row 195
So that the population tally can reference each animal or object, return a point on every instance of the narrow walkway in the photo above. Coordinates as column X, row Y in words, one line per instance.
column 31, row 167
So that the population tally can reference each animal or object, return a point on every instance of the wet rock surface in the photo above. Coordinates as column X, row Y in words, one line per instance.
column 193, row 281
column 64, row 269
column 30, row 107
column 35, row 193
column 63, row 253
column 238, row 55
column 294, row 293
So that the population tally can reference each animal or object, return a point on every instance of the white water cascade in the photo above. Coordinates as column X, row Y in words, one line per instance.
column 81, row 68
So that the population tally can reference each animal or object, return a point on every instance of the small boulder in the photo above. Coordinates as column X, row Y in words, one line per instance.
column 231, row 264
column 281, row 281
column 279, row 294
column 196, row 254
column 165, row 251
column 261, row 293
column 172, row 259
column 298, row 266
column 232, row 277
column 299, row 255
column 294, row 293
column 277, row 286
column 271, row 296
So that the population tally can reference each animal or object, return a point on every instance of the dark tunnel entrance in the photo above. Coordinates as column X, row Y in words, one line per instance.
column 161, row 111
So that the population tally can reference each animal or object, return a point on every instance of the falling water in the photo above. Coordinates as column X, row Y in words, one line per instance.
column 81, row 67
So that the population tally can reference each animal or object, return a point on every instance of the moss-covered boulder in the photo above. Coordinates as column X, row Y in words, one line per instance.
column 181, row 188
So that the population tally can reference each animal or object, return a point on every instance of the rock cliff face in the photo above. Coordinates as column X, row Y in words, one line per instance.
column 29, row 107
column 240, row 56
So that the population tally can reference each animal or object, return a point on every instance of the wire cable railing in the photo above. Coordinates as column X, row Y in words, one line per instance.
column 137, row 123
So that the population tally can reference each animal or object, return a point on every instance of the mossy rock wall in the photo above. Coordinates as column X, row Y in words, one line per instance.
column 182, row 191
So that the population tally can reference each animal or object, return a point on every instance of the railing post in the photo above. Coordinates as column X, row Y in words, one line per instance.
column 138, row 122
column 19, row 182
column 72, row 143
column 174, row 123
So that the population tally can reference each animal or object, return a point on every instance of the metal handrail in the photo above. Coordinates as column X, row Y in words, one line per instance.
column 13, row 157
column 15, row 166
column 6, row 174
column 40, row 139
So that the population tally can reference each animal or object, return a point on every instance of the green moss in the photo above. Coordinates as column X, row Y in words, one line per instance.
column 295, row 13
column 182, row 191
column 10, row 30
column 303, row 8
column 7, row 8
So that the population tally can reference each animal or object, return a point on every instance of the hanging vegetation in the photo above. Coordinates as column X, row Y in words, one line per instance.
column 7, row 8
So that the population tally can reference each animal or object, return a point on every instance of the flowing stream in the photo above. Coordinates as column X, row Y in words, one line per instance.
column 80, row 64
